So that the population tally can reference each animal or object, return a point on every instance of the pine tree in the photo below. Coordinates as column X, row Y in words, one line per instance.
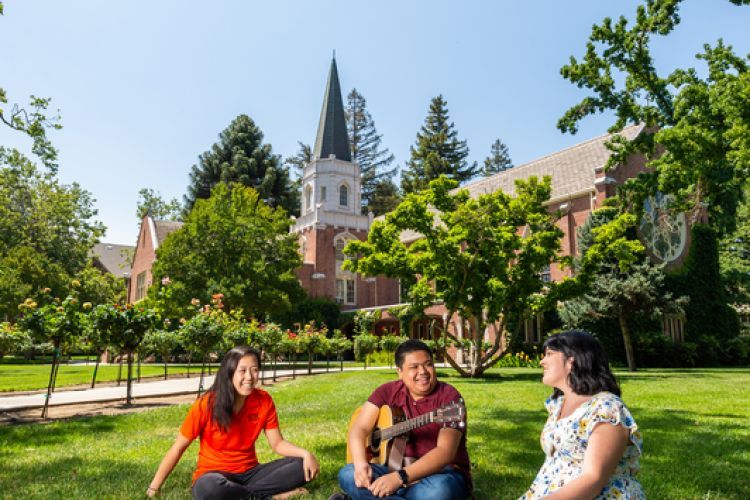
column 385, row 197
column 438, row 151
column 366, row 148
column 498, row 160
column 240, row 156
column 295, row 164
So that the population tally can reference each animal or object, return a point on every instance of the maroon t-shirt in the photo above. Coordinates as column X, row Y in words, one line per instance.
column 424, row 439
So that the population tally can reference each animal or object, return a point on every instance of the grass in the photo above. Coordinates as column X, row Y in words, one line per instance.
column 695, row 425
column 33, row 376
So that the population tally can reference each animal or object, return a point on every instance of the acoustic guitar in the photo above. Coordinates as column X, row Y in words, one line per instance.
column 386, row 443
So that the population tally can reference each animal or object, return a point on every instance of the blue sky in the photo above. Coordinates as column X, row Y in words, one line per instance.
column 144, row 87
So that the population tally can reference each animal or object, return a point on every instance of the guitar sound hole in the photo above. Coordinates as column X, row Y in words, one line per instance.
column 375, row 440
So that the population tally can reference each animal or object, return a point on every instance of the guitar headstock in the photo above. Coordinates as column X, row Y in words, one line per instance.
column 454, row 413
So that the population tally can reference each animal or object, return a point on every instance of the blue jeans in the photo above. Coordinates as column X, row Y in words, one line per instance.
column 448, row 484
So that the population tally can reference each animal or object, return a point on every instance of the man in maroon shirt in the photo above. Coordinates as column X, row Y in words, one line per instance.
column 440, row 466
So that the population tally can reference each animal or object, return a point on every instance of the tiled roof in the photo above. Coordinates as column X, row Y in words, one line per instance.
column 164, row 227
column 572, row 169
column 114, row 259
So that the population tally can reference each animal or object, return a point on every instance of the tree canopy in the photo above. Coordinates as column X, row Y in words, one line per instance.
column 374, row 161
column 498, row 160
column 471, row 256
column 438, row 151
column 240, row 156
column 234, row 244
column 151, row 203
column 700, row 120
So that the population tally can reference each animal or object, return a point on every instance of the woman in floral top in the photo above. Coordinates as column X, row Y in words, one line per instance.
column 584, row 459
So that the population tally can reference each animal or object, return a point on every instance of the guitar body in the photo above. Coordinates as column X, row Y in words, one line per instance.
column 379, row 451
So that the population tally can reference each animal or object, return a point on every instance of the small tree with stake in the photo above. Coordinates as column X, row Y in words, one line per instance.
column 59, row 322
column 126, row 326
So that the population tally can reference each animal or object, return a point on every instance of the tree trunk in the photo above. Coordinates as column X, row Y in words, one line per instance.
column 52, row 377
column 341, row 360
column 203, row 372
column 165, row 368
column 293, row 357
column 273, row 362
column 129, row 400
column 96, row 369
column 190, row 360
column 628, row 341
column 119, row 371
column 139, row 368
column 309, row 362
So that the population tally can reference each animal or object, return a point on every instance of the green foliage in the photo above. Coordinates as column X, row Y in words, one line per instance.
column 710, row 322
column 498, row 160
column 151, row 203
column 471, row 256
column 162, row 342
column 241, row 157
column 734, row 257
column 319, row 310
column 620, row 289
column 437, row 152
column 97, row 287
column 126, row 326
column 385, row 197
column 12, row 339
column 700, row 124
column 58, row 321
column 46, row 231
column 364, row 344
column 233, row 244
column 365, row 142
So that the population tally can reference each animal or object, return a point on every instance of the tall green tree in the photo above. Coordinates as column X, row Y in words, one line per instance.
column 366, row 143
column 385, row 197
column 240, row 156
column 151, row 203
column 296, row 164
column 472, row 258
column 734, row 257
column 46, row 231
column 235, row 244
column 701, row 123
column 498, row 160
column 617, row 291
column 437, row 152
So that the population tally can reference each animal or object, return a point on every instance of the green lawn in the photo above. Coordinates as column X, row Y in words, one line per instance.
column 695, row 424
column 31, row 377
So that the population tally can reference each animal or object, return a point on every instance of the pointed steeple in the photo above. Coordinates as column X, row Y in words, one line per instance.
column 332, row 135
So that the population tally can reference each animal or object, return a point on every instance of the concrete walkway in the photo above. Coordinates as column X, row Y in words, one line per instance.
column 169, row 387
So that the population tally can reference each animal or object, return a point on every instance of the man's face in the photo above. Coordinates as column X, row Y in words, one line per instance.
column 418, row 374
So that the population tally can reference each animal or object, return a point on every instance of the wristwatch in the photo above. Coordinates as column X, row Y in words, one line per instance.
column 404, row 477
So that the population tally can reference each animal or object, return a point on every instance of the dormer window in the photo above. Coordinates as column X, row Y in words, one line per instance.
column 344, row 196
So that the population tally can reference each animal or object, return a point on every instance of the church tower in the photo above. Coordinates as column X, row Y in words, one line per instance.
column 331, row 212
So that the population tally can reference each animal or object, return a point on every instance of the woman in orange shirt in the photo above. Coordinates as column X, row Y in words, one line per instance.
column 228, row 419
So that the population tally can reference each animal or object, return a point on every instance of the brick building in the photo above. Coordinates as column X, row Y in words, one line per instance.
column 331, row 215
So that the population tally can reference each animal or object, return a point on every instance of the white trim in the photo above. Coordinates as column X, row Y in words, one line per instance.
column 152, row 228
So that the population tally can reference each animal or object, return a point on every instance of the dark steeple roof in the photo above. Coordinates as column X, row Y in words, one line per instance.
column 332, row 135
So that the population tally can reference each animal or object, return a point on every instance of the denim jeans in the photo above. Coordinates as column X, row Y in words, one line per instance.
column 448, row 484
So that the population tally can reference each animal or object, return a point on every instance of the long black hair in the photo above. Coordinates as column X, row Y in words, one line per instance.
column 590, row 373
column 222, row 391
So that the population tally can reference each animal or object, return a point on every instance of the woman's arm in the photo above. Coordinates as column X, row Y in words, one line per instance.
column 606, row 446
column 168, row 463
column 284, row 448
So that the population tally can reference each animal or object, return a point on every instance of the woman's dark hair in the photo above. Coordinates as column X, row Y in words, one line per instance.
column 590, row 373
column 222, row 391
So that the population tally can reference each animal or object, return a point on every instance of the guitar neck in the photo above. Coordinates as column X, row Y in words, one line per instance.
column 405, row 426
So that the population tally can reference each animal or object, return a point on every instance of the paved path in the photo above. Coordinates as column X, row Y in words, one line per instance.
column 140, row 390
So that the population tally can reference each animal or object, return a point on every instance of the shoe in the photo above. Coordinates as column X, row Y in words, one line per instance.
column 339, row 496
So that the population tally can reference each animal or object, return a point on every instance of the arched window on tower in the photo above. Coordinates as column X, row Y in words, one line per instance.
column 344, row 196
column 308, row 198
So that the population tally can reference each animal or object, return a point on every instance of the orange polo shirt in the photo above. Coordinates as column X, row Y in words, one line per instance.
column 232, row 451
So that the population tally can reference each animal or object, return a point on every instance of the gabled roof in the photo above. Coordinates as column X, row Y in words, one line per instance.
column 332, row 135
column 573, row 170
column 112, row 258
column 164, row 228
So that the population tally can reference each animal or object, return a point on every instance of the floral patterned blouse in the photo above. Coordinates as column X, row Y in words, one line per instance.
column 564, row 441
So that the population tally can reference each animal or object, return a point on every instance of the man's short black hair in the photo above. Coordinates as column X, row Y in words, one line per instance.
column 411, row 345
